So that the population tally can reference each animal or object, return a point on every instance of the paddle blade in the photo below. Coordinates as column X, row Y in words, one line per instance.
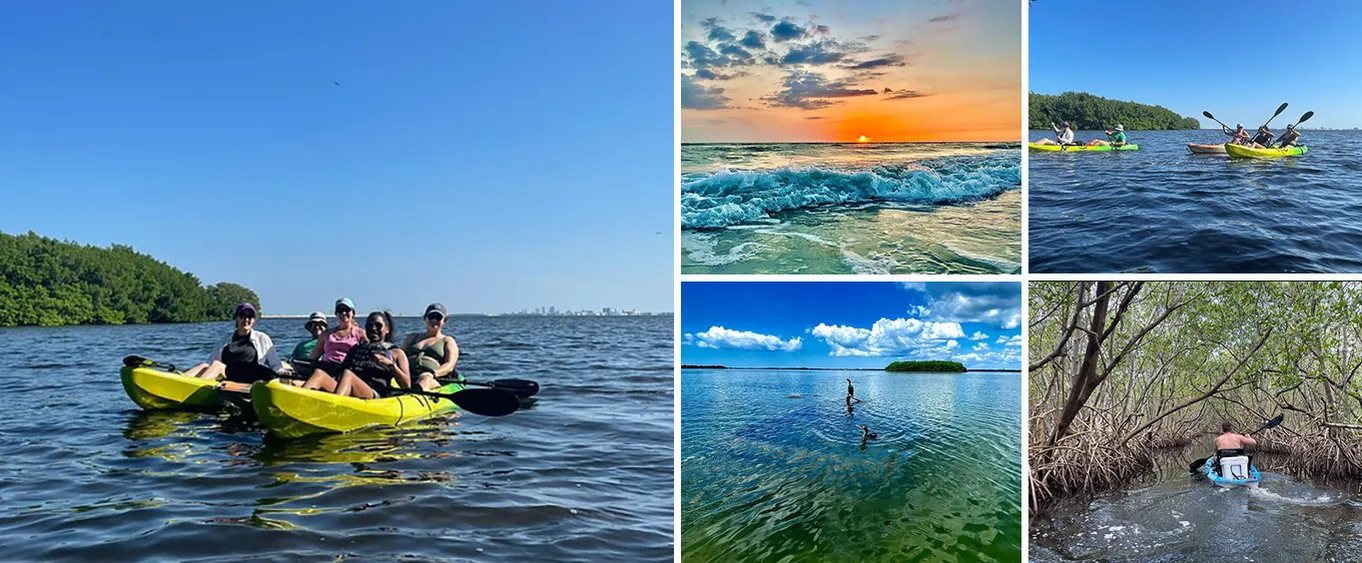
column 522, row 388
column 486, row 402
column 1197, row 465
column 1271, row 423
column 1280, row 109
column 1208, row 115
column 136, row 361
column 1308, row 115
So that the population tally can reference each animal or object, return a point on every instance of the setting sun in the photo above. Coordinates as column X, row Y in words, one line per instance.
column 862, row 139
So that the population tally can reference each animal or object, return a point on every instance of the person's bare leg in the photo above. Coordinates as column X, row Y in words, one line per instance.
column 320, row 380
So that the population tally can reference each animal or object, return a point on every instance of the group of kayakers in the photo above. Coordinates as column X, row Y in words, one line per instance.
column 346, row 359
column 1263, row 138
column 1116, row 137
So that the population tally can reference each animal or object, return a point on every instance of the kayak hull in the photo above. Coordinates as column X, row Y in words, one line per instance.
column 1240, row 151
column 1209, row 471
column 291, row 412
column 1206, row 149
column 1081, row 148
column 154, row 389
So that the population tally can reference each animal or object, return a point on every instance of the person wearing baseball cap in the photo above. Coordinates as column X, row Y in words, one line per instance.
column 316, row 324
column 1062, row 138
column 431, row 353
column 333, row 345
column 247, row 356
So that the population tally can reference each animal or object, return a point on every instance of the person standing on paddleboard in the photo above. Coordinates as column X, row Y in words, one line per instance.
column 333, row 345
column 1229, row 444
column 246, row 357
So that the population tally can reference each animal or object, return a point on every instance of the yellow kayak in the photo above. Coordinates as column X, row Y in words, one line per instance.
column 1250, row 152
column 290, row 412
column 153, row 389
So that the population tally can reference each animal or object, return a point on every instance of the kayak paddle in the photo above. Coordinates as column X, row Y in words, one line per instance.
column 1280, row 109
column 523, row 388
column 140, row 362
column 1308, row 115
column 1212, row 118
column 1196, row 465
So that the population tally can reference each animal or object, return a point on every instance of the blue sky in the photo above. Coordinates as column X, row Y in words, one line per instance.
column 1194, row 56
column 850, row 324
column 490, row 155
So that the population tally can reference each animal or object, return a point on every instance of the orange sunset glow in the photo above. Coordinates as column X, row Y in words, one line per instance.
column 821, row 72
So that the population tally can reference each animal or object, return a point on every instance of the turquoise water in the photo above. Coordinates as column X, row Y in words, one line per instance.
column 772, row 466
column 791, row 208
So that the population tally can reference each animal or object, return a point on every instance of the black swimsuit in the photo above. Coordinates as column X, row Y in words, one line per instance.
column 242, row 361
column 360, row 360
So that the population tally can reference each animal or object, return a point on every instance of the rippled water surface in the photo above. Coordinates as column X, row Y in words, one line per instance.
column 584, row 474
column 874, row 208
column 1164, row 209
column 1172, row 515
column 772, row 467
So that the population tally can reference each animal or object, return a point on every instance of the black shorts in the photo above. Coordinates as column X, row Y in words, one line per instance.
column 248, row 373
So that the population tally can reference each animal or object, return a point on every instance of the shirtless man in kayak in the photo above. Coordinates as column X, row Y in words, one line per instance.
column 1229, row 444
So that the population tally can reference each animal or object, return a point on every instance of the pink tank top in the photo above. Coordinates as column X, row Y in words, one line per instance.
column 338, row 345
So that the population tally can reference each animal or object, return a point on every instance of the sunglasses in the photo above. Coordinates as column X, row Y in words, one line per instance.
column 245, row 316
column 434, row 318
column 343, row 311
column 373, row 326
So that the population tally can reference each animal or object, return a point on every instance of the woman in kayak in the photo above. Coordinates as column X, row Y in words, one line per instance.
column 1115, row 138
column 246, row 357
column 431, row 354
column 1263, row 139
column 315, row 325
column 333, row 346
column 1289, row 137
column 370, row 366
column 1240, row 136
column 1066, row 137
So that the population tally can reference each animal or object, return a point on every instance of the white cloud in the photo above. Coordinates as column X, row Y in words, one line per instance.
column 719, row 337
column 998, row 304
column 978, row 336
column 888, row 337
column 1014, row 341
column 981, row 346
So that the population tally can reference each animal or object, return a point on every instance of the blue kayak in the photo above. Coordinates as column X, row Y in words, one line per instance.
column 1209, row 470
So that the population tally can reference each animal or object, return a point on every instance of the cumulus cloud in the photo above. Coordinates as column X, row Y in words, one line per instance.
column 718, row 337
column 810, row 91
column 997, row 304
column 822, row 52
column 1015, row 341
column 754, row 40
column 787, row 31
column 980, row 346
column 978, row 336
column 888, row 337
column 764, row 18
column 717, row 32
column 698, row 96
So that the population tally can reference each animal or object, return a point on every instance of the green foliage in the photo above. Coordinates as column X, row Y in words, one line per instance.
column 934, row 365
column 1088, row 112
column 47, row 282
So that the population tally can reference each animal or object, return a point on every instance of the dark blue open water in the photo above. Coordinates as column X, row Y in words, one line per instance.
column 1163, row 209
column 584, row 475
